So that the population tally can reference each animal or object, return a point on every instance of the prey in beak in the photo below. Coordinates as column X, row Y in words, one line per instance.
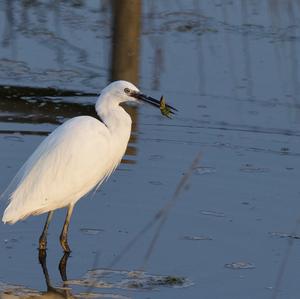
column 165, row 109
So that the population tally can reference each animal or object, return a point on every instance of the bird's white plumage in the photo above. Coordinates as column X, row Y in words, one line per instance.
column 73, row 159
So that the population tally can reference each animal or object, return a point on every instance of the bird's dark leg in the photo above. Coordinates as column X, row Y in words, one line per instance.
column 43, row 237
column 64, row 232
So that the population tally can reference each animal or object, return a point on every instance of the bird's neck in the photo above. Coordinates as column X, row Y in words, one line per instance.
column 118, row 123
column 116, row 119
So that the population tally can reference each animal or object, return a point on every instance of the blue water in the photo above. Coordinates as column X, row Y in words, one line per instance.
column 232, row 70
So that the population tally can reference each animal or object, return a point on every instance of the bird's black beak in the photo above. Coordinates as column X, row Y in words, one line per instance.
column 144, row 98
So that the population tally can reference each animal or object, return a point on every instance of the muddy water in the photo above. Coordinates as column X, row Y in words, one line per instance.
column 232, row 70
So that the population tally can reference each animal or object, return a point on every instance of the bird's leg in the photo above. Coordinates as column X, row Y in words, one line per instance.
column 43, row 237
column 64, row 232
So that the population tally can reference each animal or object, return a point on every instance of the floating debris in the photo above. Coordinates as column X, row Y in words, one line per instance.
column 284, row 150
column 133, row 280
column 212, row 213
column 91, row 231
column 204, row 170
column 249, row 168
column 196, row 238
column 284, row 235
column 239, row 265
column 169, row 281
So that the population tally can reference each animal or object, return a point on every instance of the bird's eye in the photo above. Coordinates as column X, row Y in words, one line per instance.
column 127, row 90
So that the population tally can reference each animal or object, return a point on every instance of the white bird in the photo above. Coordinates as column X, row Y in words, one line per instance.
column 76, row 157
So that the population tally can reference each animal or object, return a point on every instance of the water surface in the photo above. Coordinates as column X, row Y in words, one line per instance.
column 232, row 70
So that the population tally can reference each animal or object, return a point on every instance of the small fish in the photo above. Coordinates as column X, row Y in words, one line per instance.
column 164, row 109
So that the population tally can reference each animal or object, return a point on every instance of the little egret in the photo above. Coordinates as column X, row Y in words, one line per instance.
column 76, row 157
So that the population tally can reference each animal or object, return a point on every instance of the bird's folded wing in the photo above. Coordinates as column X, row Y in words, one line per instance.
column 65, row 166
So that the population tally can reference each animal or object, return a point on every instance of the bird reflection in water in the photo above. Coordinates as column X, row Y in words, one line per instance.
column 63, row 292
column 14, row 292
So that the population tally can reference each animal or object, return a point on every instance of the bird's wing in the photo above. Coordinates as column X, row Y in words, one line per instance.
column 64, row 167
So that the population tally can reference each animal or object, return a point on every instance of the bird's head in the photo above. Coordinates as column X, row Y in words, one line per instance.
column 123, row 91
column 119, row 91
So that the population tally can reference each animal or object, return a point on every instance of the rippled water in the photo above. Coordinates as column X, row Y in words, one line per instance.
column 232, row 70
